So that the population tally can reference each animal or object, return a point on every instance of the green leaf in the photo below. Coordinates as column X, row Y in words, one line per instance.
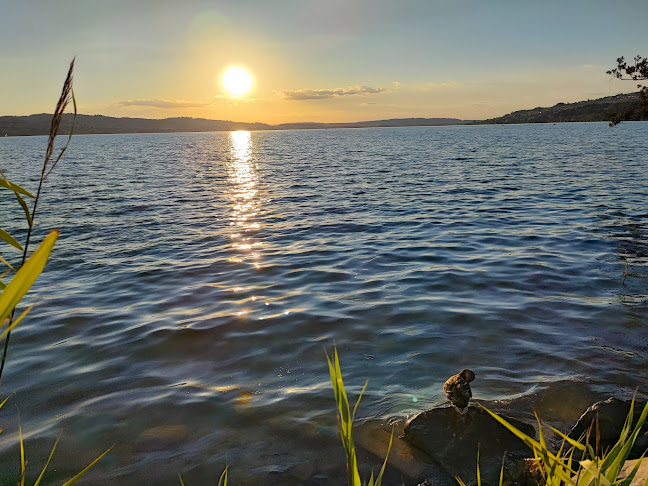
column 615, row 460
column 14, row 187
column 359, row 398
column 501, row 479
column 6, row 262
column 78, row 476
column 562, row 473
column 22, row 202
column 10, row 239
column 222, row 481
column 5, row 400
column 382, row 470
column 16, row 321
column 47, row 463
column 593, row 468
column 22, row 454
column 633, row 473
column 3, row 275
column 26, row 276
column 571, row 441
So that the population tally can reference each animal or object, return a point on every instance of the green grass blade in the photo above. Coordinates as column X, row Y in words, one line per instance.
column 571, row 441
column 26, row 276
column 222, row 481
column 22, row 202
column 458, row 479
column 621, row 457
column 16, row 321
column 335, row 381
column 179, row 477
column 14, row 187
column 344, row 400
column 5, row 400
column 88, row 467
column 47, row 463
column 478, row 471
column 6, row 263
column 359, row 398
column 371, row 480
column 532, row 443
column 22, row 454
column 501, row 479
column 10, row 239
column 594, row 470
column 3, row 275
column 570, row 459
column 552, row 473
column 545, row 455
column 633, row 473
column 382, row 469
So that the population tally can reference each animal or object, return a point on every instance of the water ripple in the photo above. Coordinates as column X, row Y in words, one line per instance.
column 198, row 277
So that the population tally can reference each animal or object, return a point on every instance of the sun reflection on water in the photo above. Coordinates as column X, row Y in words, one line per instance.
column 244, row 178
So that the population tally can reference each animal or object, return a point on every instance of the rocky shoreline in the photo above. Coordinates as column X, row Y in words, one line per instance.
column 437, row 445
column 450, row 438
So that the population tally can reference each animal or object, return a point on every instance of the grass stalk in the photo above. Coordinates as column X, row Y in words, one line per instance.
column 67, row 96
column 345, row 420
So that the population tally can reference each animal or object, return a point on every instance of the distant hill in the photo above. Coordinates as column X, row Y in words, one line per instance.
column 87, row 124
column 602, row 109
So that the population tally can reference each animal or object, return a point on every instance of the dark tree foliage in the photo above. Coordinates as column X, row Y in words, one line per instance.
column 632, row 72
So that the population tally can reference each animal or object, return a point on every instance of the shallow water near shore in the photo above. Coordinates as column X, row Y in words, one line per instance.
column 199, row 277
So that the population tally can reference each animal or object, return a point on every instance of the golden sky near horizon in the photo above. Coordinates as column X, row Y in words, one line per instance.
column 309, row 60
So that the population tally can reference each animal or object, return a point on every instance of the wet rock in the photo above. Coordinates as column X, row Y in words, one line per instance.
column 452, row 439
column 611, row 414
column 407, row 464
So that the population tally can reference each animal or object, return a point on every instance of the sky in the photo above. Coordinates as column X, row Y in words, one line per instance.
column 319, row 61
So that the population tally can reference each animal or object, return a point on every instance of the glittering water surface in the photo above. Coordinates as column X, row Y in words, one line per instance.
column 198, row 278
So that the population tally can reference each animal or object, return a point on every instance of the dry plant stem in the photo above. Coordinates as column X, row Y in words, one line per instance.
column 66, row 95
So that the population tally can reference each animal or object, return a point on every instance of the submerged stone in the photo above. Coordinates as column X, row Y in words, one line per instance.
column 453, row 439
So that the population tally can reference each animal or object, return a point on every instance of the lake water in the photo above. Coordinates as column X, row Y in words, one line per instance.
column 199, row 278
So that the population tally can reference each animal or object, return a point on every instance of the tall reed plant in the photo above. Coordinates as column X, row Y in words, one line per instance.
column 345, row 421
column 49, row 163
column 31, row 267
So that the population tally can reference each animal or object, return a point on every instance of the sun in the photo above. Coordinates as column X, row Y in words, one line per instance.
column 237, row 81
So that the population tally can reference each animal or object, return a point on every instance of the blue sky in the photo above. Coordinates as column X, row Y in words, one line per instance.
column 314, row 60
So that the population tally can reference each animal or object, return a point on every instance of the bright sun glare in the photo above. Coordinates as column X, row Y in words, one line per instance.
column 237, row 81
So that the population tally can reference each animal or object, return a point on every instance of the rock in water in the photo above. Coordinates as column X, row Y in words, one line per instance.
column 452, row 440
column 611, row 414
column 457, row 388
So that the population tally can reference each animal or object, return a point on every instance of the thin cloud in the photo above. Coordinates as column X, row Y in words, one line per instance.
column 164, row 103
column 321, row 94
column 446, row 84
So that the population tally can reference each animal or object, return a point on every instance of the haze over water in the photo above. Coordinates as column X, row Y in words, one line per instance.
column 198, row 278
